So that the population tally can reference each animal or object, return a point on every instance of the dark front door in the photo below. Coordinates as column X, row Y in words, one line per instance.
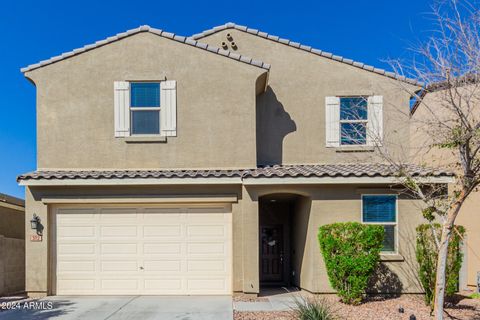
column 271, row 254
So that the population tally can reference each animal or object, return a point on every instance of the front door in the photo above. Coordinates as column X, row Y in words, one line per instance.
column 271, row 254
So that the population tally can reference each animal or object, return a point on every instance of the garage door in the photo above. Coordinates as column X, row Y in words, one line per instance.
column 144, row 250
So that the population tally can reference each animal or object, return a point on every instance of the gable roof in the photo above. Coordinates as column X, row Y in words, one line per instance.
column 361, row 65
column 159, row 32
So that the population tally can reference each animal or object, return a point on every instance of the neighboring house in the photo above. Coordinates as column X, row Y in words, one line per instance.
column 12, row 245
column 169, row 166
column 469, row 216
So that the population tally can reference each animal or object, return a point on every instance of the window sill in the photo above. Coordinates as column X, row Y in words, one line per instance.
column 146, row 139
column 355, row 149
column 391, row 257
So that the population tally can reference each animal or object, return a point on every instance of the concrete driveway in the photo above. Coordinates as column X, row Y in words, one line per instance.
column 124, row 307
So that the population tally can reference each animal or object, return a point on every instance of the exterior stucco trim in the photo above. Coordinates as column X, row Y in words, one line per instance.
column 159, row 32
column 328, row 55
column 342, row 180
column 116, row 182
column 226, row 198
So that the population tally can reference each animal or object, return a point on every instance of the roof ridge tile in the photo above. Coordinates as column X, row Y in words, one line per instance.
column 144, row 28
column 358, row 64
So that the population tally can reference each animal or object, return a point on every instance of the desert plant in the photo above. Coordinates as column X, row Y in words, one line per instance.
column 313, row 309
column 351, row 252
column 427, row 255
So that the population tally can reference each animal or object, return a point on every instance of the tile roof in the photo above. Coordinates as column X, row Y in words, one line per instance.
column 361, row 65
column 319, row 170
column 145, row 28
column 5, row 198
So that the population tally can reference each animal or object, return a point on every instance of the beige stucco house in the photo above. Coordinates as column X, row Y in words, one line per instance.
column 205, row 165
column 428, row 110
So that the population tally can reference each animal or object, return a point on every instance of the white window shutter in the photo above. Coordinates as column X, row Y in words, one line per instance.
column 168, row 108
column 375, row 121
column 122, row 108
column 332, row 121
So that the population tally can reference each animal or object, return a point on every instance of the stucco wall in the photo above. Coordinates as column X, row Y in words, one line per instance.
column 320, row 205
column 336, row 203
column 215, row 107
column 291, row 114
column 12, row 265
column 12, row 223
column 432, row 110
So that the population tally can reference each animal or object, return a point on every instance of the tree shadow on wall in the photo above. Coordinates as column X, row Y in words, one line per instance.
column 385, row 281
column 273, row 124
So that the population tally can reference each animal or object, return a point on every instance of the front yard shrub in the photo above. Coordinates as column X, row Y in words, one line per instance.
column 427, row 254
column 351, row 252
column 313, row 309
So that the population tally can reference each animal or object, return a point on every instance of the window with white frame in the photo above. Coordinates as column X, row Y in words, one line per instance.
column 382, row 210
column 353, row 120
column 145, row 108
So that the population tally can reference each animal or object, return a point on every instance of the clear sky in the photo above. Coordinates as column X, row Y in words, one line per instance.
column 369, row 31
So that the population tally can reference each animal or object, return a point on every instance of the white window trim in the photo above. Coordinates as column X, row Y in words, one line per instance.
column 132, row 109
column 395, row 251
column 352, row 121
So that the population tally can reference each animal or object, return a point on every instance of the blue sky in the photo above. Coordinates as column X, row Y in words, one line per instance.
column 368, row 31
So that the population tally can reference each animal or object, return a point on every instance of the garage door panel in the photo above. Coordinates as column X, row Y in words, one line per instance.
column 76, row 248
column 163, row 285
column 162, row 265
column 200, row 230
column 217, row 247
column 162, row 248
column 145, row 250
column 206, row 265
column 76, row 232
column 162, row 230
column 206, row 284
column 119, row 284
column 73, row 285
column 119, row 265
column 118, row 248
column 75, row 214
column 76, row 266
column 118, row 231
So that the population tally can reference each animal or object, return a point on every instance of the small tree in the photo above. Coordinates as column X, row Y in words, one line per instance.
column 351, row 252
column 448, row 134
column 427, row 255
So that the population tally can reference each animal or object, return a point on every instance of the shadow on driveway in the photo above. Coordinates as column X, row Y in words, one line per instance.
column 123, row 307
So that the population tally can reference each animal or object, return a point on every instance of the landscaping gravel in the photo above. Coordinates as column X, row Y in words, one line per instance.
column 381, row 309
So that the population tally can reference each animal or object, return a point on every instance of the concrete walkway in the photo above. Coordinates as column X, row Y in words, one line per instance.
column 124, row 307
column 282, row 301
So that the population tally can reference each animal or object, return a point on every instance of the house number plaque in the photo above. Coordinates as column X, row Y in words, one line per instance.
column 35, row 238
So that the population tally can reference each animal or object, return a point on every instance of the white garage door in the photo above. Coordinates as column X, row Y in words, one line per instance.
column 161, row 250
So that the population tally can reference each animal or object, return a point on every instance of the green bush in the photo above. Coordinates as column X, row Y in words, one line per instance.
column 313, row 309
column 351, row 252
column 427, row 255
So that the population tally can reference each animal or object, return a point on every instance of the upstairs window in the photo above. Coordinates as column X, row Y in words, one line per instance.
column 353, row 120
column 145, row 108
column 382, row 210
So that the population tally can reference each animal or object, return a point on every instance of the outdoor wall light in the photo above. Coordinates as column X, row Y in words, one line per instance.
column 35, row 222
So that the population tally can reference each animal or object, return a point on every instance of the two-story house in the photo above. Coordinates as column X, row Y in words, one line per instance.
column 206, row 164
